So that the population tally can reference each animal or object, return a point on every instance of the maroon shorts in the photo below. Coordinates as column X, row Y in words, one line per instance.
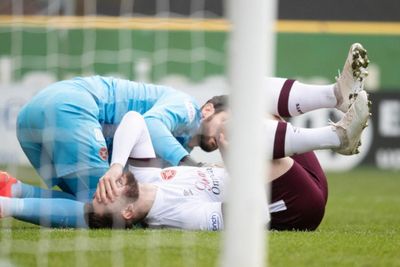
column 301, row 195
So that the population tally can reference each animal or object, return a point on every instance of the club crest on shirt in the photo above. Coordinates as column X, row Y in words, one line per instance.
column 168, row 174
column 103, row 153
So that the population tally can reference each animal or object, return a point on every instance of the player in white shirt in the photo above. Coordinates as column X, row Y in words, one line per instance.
column 186, row 197
column 192, row 197
column 175, row 197
column 181, row 197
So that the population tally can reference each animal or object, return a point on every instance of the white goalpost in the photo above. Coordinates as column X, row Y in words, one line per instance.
column 251, row 58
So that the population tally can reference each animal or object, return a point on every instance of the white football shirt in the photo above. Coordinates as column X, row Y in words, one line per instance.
column 187, row 197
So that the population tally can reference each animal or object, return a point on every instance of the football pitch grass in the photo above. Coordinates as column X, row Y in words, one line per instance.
column 361, row 228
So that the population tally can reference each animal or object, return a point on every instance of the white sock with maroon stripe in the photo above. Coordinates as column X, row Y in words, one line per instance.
column 301, row 140
column 291, row 98
column 289, row 140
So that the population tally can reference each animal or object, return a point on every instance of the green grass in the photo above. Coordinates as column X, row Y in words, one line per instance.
column 361, row 228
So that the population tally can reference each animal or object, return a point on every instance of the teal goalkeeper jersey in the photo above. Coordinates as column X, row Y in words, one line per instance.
column 172, row 116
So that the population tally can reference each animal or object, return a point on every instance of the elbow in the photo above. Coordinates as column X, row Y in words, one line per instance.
column 134, row 118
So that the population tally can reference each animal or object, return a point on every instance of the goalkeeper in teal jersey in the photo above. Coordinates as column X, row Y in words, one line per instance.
column 67, row 130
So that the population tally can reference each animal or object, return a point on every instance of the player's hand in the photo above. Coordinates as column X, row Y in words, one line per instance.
column 107, row 188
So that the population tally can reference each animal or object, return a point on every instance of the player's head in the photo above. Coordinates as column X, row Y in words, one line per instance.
column 214, row 113
column 118, row 214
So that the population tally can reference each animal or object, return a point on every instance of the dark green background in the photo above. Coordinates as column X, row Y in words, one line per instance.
column 298, row 55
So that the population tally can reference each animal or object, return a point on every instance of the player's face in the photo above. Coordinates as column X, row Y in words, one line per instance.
column 119, row 202
column 211, row 127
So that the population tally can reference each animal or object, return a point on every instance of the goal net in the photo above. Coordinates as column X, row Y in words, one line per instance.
column 182, row 44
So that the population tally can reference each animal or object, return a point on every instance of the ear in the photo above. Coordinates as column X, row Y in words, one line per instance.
column 207, row 110
column 128, row 212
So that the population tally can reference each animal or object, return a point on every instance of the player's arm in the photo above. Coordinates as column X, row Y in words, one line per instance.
column 189, row 161
column 165, row 144
column 130, row 135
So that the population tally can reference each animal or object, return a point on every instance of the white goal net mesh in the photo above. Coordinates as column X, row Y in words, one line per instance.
column 182, row 44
